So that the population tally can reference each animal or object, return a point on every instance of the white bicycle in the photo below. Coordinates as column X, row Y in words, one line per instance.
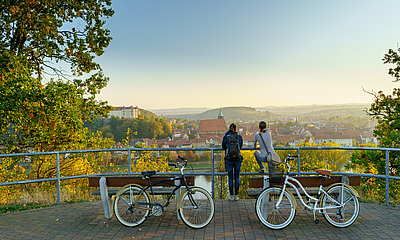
column 276, row 207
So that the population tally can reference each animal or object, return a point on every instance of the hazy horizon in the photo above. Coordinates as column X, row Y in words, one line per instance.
column 256, row 107
column 295, row 110
column 191, row 54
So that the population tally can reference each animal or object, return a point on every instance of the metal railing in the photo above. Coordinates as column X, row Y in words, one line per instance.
column 212, row 173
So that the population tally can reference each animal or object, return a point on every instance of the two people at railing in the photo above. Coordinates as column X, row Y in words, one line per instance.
column 233, row 163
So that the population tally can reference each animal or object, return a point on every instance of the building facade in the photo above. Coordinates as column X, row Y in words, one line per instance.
column 126, row 112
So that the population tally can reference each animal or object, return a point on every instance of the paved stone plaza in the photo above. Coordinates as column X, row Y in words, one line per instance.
column 232, row 220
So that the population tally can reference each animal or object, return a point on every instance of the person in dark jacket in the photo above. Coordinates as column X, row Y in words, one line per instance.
column 232, row 165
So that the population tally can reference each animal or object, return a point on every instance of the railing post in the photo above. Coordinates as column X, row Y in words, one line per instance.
column 58, row 179
column 298, row 161
column 129, row 162
column 387, row 178
column 212, row 174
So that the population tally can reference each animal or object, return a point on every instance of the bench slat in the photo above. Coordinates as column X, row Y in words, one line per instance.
column 122, row 181
column 254, row 192
column 309, row 181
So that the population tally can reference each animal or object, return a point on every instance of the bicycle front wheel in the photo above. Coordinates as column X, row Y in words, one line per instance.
column 272, row 215
column 333, row 212
column 131, row 205
column 196, row 207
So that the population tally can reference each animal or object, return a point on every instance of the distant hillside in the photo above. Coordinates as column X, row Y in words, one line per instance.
column 147, row 113
column 265, row 113
column 178, row 111
column 353, row 109
column 230, row 114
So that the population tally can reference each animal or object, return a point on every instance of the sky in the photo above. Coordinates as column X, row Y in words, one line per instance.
column 209, row 54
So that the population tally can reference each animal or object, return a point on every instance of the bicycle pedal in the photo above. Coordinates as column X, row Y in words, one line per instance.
column 316, row 221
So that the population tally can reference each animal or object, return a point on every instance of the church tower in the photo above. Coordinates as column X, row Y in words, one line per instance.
column 220, row 115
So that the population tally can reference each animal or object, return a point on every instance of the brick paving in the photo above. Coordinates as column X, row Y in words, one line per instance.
column 232, row 220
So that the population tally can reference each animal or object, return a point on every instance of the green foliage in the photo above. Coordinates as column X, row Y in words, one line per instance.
column 34, row 34
column 374, row 162
column 393, row 57
column 54, row 30
column 189, row 155
column 146, row 160
column 143, row 127
column 249, row 164
column 16, row 208
column 42, row 114
column 386, row 109
column 310, row 160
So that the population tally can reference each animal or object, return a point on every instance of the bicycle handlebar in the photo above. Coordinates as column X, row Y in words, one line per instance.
column 178, row 165
column 292, row 157
column 288, row 158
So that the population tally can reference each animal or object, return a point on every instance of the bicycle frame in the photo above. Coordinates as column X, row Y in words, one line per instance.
column 176, row 187
column 320, row 190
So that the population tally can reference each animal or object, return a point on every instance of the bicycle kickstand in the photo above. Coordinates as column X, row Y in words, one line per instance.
column 316, row 221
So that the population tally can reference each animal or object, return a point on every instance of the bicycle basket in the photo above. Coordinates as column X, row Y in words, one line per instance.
column 278, row 175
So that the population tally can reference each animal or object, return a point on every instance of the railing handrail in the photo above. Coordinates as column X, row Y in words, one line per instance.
column 193, row 149
column 212, row 173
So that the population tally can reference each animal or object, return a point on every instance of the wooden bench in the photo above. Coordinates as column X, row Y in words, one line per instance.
column 310, row 183
column 109, row 186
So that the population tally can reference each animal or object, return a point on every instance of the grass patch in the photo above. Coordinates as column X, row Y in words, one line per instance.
column 17, row 208
column 78, row 201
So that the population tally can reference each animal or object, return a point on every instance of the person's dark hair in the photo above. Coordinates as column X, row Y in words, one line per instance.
column 263, row 126
column 232, row 127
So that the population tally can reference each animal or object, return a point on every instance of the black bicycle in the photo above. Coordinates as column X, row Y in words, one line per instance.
column 134, row 203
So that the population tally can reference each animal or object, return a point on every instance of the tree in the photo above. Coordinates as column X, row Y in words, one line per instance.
column 34, row 36
column 47, row 114
column 49, row 31
column 386, row 110
column 332, row 159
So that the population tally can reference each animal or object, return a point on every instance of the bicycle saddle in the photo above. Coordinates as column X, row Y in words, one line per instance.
column 148, row 173
column 324, row 172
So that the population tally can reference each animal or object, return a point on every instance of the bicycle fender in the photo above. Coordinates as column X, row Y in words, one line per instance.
column 180, row 199
column 343, row 184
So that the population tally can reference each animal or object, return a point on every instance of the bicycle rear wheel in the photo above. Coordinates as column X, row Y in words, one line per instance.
column 196, row 207
column 340, row 216
column 272, row 216
column 131, row 205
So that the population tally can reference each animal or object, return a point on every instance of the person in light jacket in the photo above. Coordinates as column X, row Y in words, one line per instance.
column 265, row 148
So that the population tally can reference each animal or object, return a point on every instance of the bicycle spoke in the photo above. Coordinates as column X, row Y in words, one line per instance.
column 275, row 217
column 348, row 200
column 340, row 215
column 133, row 210
column 197, row 208
column 126, row 200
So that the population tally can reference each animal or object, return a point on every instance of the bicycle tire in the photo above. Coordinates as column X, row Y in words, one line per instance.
column 271, row 216
column 199, row 215
column 344, row 216
column 126, row 208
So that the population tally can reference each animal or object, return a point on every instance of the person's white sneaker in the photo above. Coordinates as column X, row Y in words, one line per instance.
column 236, row 197
column 231, row 198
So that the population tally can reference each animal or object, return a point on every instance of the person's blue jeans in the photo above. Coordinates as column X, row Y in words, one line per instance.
column 233, row 169
column 259, row 159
